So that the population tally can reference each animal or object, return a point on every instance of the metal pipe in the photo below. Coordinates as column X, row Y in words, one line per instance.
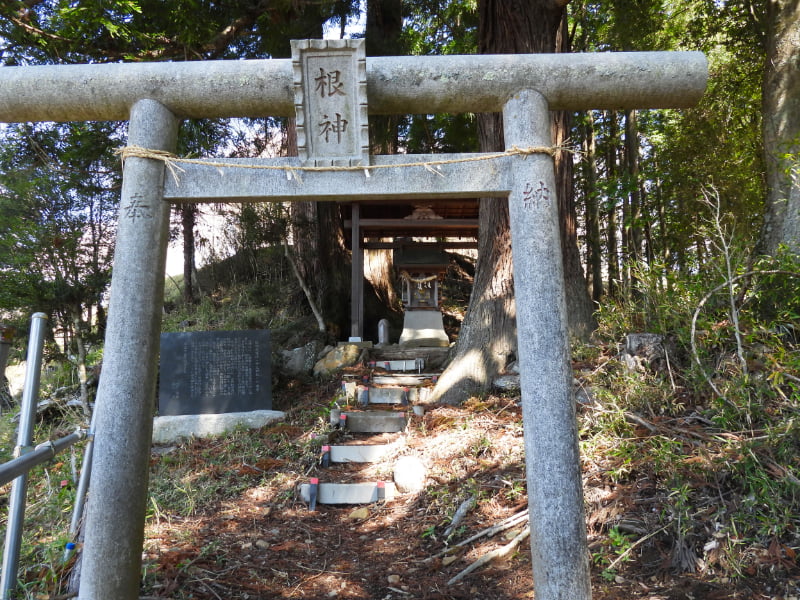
column 16, row 507
column 395, row 85
column 83, row 486
column 41, row 454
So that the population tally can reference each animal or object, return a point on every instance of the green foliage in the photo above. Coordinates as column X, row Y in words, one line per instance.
column 57, row 206
column 739, row 377
column 61, row 31
column 441, row 27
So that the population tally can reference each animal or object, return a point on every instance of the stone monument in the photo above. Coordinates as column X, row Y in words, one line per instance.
column 213, row 372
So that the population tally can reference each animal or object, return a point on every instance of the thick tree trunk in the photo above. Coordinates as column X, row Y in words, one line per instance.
column 633, row 229
column 488, row 335
column 322, row 260
column 580, row 309
column 781, row 111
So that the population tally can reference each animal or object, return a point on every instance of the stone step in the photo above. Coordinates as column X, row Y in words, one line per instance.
column 364, row 394
column 406, row 364
column 358, row 453
column 413, row 395
column 372, row 421
column 435, row 358
column 348, row 493
column 407, row 379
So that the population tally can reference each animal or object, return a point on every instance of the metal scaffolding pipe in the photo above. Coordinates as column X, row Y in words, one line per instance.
column 41, row 454
column 16, row 505
column 395, row 85
column 83, row 487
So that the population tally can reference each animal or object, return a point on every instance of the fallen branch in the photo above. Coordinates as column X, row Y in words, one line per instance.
column 507, row 523
column 494, row 554
column 462, row 511
column 630, row 548
column 304, row 287
column 637, row 420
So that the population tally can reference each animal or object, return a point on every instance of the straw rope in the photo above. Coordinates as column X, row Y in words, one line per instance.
column 172, row 161
column 405, row 275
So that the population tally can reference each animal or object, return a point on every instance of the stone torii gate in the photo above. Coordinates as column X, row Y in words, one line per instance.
column 155, row 96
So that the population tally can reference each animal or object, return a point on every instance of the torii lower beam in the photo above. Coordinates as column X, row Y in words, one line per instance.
column 523, row 86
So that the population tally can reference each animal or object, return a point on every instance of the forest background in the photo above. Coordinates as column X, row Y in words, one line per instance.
column 644, row 195
column 682, row 223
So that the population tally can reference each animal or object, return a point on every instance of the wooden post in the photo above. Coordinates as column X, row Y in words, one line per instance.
column 357, row 276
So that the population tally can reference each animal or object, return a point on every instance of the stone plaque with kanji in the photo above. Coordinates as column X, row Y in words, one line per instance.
column 212, row 372
column 330, row 87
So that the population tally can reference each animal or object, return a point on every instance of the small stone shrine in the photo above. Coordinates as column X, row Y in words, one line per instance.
column 214, row 372
column 421, row 268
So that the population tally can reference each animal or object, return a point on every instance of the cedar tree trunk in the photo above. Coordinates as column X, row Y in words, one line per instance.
column 488, row 336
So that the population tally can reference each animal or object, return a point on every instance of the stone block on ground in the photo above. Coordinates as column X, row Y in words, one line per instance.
column 646, row 351
column 15, row 374
column 342, row 356
column 507, row 383
column 169, row 429
column 299, row 361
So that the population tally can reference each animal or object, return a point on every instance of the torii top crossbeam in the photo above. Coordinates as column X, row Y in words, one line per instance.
column 396, row 85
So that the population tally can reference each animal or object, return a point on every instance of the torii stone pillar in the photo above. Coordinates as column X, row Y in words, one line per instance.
column 524, row 87
column 560, row 557
column 112, row 550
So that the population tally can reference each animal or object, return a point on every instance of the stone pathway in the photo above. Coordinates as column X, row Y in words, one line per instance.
column 376, row 405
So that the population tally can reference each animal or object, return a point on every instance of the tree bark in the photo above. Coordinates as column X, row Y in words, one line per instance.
column 594, row 252
column 188, row 212
column 781, row 123
column 488, row 334
column 322, row 260
column 611, row 211
column 633, row 229
column 384, row 28
column 580, row 309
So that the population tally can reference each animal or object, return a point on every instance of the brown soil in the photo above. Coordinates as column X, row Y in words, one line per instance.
column 265, row 543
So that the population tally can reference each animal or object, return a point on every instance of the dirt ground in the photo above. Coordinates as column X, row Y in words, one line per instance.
column 264, row 542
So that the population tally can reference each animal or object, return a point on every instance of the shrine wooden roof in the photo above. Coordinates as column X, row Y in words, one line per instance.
column 444, row 218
